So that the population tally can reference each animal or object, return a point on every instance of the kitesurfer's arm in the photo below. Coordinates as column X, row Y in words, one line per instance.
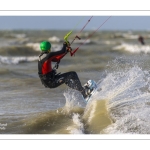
column 57, row 53
column 57, row 56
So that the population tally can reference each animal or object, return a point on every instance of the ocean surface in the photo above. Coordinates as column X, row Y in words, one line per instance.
column 116, row 60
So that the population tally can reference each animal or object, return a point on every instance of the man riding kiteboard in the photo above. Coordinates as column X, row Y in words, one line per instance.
column 49, row 76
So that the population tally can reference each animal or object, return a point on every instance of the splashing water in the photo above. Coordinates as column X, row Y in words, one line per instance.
column 73, row 99
column 124, row 91
column 78, row 127
column 128, row 97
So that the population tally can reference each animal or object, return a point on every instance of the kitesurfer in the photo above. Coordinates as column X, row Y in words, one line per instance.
column 141, row 40
column 49, row 76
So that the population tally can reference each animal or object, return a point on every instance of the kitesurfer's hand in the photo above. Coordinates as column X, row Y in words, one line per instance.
column 67, row 43
column 69, row 49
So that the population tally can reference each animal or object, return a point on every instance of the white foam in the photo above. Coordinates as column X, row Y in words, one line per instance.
column 78, row 127
column 128, row 35
column 54, row 39
column 85, row 41
column 22, row 35
column 128, row 101
column 36, row 46
column 109, row 42
column 133, row 48
column 17, row 60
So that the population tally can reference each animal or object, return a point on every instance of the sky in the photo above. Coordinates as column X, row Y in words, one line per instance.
column 74, row 22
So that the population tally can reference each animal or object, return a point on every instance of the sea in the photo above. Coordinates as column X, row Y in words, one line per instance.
column 116, row 60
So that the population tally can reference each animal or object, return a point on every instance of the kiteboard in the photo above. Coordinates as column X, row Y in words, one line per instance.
column 90, row 88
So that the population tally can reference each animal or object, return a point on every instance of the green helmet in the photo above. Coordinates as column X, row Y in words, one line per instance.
column 45, row 46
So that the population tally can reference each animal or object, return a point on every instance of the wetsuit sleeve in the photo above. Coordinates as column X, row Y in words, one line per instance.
column 58, row 54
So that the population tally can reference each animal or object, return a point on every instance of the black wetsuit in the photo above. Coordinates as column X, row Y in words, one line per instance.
column 50, row 78
column 141, row 39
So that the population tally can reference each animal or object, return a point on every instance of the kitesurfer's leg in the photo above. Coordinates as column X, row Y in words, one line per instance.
column 71, row 79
